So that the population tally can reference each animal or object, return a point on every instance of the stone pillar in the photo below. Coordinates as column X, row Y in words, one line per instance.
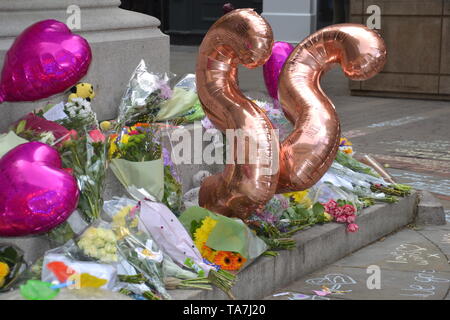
column 291, row 20
column 118, row 38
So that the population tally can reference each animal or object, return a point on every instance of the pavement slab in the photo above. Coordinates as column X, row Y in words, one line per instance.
column 424, row 284
column 406, row 250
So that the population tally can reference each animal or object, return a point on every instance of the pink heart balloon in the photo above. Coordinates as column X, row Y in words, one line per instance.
column 272, row 68
column 45, row 59
column 36, row 194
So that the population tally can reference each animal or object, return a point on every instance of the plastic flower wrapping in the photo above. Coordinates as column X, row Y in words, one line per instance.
column 143, row 97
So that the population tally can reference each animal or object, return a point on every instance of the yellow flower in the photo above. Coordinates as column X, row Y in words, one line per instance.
column 119, row 217
column 328, row 217
column 347, row 150
column 345, row 142
column 112, row 149
column 300, row 197
column 125, row 138
column 208, row 253
column 201, row 235
column 2, row 281
column 105, row 125
column 4, row 270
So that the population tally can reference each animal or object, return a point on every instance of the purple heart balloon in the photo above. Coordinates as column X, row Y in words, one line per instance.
column 45, row 59
column 36, row 194
column 272, row 68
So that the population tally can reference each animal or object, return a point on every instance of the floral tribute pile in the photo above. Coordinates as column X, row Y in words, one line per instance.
column 151, row 238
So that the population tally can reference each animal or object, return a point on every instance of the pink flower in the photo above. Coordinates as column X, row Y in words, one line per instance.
column 349, row 209
column 341, row 218
column 72, row 134
column 69, row 171
column 97, row 136
column 351, row 218
column 331, row 206
column 352, row 227
column 133, row 132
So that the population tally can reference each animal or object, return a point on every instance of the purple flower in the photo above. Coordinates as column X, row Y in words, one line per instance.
column 168, row 162
column 166, row 92
column 207, row 124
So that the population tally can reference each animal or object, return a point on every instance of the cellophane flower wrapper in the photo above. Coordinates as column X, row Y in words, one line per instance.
column 158, row 221
column 33, row 127
column 69, row 263
column 173, row 189
column 143, row 97
column 228, row 235
column 9, row 141
column 136, row 248
column 183, row 106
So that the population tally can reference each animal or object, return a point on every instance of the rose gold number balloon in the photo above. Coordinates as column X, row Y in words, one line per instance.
column 241, row 36
column 307, row 153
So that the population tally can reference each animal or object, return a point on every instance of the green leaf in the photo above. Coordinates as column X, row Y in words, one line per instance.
column 21, row 126
column 318, row 208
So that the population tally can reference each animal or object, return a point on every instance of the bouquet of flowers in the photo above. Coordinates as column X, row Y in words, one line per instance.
column 212, row 233
column 141, row 261
column 184, row 105
column 12, row 264
column 158, row 221
column 143, row 97
column 342, row 211
column 85, row 154
column 142, row 166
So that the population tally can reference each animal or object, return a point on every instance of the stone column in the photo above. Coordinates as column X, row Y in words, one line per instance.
column 291, row 20
column 119, row 39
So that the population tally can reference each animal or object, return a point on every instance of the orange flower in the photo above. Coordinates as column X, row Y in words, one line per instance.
column 238, row 260
column 224, row 259
column 208, row 253
column 229, row 261
column 141, row 124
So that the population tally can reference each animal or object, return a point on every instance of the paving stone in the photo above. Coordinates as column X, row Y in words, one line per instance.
column 406, row 250
column 394, row 285
column 440, row 237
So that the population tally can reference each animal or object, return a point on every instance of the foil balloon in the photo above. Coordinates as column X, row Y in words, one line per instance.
column 307, row 153
column 44, row 60
column 239, row 37
column 36, row 194
column 272, row 68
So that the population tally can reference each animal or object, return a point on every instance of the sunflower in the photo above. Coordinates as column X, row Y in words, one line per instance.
column 201, row 235
column 300, row 197
column 4, row 271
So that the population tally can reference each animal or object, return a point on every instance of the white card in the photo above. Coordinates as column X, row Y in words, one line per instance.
column 56, row 112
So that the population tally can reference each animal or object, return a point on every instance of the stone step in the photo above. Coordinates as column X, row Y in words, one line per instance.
column 316, row 248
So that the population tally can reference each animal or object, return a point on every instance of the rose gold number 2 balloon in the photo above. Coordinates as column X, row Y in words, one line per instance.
column 241, row 36
column 307, row 153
